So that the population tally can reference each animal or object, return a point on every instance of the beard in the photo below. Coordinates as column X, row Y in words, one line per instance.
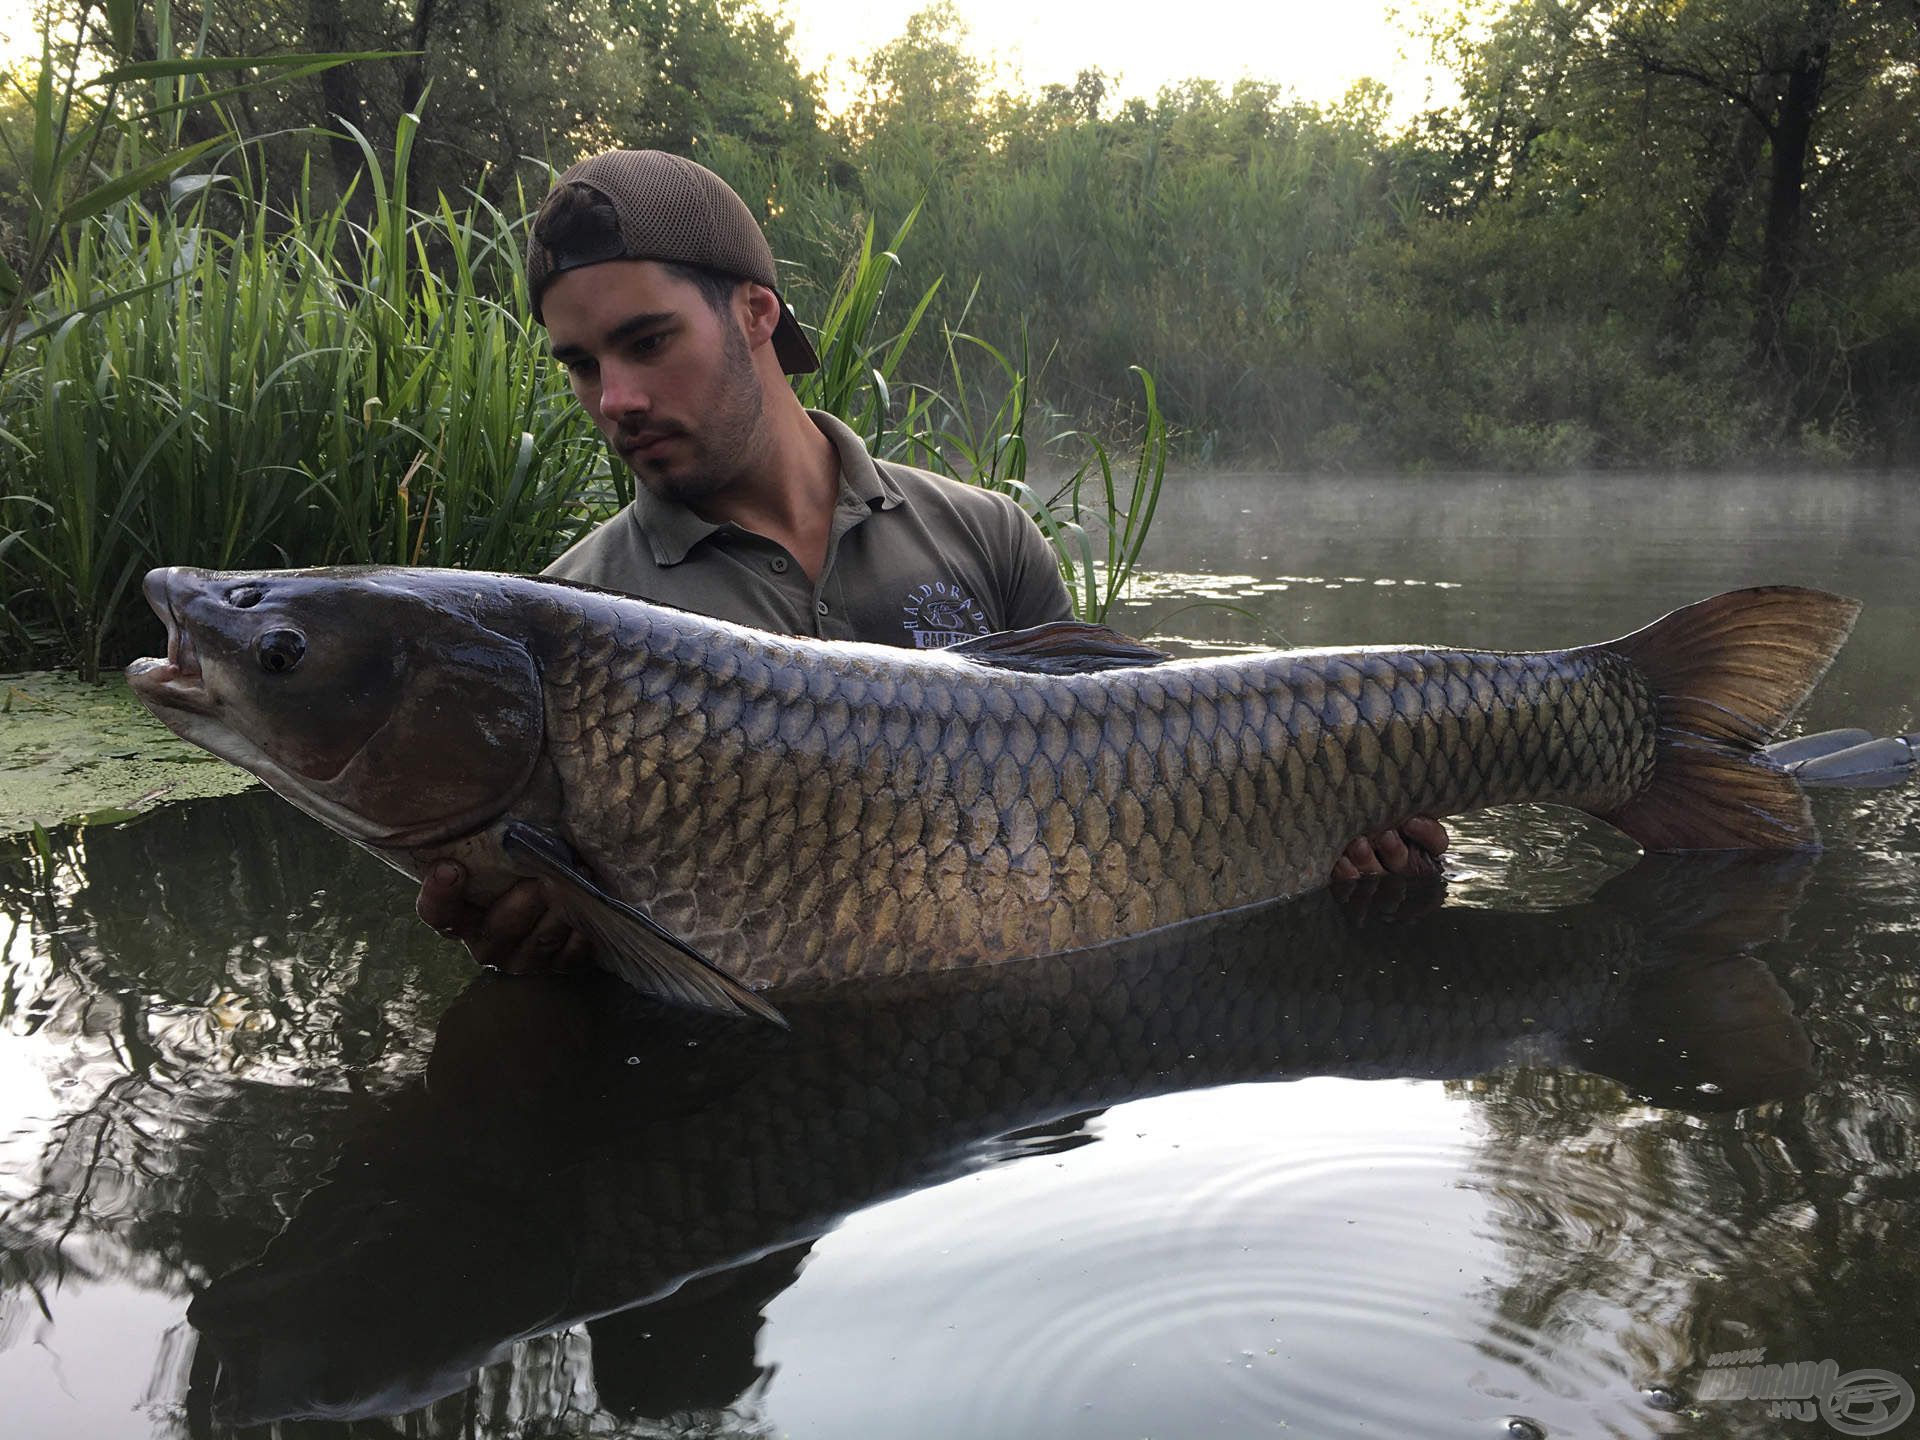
column 728, row 445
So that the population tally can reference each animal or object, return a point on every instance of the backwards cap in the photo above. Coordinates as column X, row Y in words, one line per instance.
column 668, row 209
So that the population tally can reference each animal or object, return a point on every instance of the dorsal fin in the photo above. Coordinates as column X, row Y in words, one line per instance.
column 1060, row 647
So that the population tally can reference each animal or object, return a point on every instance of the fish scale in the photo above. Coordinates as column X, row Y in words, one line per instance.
column 720, row 811
column 1042, row 812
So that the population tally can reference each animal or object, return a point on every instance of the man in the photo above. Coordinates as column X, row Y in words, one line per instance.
column 659, row 295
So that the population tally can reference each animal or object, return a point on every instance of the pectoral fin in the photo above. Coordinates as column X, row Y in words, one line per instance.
column 627, row 940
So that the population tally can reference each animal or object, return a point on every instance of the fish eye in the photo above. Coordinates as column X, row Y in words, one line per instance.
column 244, row 597
column 280, row 650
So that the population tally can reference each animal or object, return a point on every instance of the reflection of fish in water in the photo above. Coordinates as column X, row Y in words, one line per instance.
column 541, row 1177
column 792, row 810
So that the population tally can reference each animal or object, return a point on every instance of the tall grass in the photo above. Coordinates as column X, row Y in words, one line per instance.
column 974, row 423
column 298, row 386
column 301, row 389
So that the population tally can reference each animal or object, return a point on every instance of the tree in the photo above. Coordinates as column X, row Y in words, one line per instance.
column 1779, row 62
column 504, row 89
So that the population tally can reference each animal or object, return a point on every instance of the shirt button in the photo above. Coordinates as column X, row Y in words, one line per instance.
column 823, row 607
column 779, row 564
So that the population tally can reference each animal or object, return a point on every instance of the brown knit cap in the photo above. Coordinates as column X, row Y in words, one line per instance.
column 673, row 210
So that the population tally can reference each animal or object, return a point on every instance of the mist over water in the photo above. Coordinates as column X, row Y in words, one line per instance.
column 1521, row 1163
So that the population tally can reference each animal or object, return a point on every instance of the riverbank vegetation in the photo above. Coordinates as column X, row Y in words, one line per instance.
column 272, row 314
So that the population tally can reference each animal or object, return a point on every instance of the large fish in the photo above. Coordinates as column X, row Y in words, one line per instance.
column 727, row 811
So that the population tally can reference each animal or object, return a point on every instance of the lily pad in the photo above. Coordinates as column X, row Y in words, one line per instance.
column 71, row 752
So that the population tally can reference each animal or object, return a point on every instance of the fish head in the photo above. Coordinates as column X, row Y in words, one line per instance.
column 383, row 702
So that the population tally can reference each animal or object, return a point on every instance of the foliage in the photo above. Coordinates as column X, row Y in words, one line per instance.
column 1645, row 234
column 317, row 387
column 1594, row 258
column 306, row 390
column 82, row 138
column 502, row 90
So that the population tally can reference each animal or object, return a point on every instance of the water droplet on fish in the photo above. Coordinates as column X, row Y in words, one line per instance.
column 1707, row 1087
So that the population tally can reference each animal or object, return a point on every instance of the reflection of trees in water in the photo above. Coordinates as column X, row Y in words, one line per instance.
column 160, row 1187
column 242, row 998
column 232, row 936
column 664, row 1166
column 1774, row 1228
column 1690, row 1238
column 157, row 968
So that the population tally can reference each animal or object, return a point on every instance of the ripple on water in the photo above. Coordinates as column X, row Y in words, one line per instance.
column 1351, row 1278
column 1213, row 1281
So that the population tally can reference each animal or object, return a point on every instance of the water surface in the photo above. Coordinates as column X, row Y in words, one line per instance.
column 1519, row 1160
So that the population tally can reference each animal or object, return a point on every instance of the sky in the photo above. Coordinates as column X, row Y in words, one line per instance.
column 17, row 35
column 1316, row 48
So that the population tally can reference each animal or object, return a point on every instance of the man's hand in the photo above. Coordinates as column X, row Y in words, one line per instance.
column 522, row 932
column 1412, row 850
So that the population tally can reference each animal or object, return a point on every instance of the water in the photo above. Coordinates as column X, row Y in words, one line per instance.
column 1521, row 1164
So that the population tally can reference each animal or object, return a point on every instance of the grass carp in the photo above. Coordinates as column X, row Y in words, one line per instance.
column 727, row 811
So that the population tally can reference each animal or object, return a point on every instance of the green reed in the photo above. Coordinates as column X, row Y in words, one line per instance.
column 361, row 382
column 301, row 388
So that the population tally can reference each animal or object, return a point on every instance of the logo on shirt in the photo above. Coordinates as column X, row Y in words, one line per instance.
column 940, row 614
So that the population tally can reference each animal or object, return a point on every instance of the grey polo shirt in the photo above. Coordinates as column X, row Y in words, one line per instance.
column 912, row 559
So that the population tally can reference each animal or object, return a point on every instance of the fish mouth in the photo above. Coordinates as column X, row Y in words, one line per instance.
column 174, row 680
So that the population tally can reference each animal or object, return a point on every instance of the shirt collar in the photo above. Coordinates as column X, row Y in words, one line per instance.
column 862, row 481
column 671, row 529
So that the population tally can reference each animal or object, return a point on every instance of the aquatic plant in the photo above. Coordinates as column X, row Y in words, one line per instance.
column 361, row 382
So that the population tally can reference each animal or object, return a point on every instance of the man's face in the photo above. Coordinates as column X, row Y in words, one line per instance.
column 670, row 383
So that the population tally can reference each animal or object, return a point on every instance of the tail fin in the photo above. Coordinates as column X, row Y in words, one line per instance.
column 1727, row 674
